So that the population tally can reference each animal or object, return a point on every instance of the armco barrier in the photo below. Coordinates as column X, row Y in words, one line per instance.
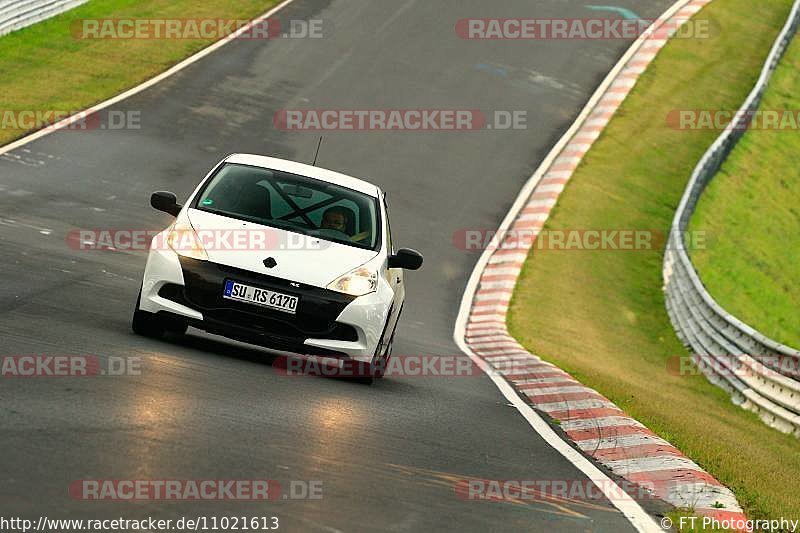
column 16, row 14
column 761, row 374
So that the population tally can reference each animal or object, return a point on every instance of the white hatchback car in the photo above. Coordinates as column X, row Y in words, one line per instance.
column 279, row 254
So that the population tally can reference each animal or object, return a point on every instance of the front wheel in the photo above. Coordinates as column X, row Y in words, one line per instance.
column 147, row 324
column 154, row 326
column 378, row 369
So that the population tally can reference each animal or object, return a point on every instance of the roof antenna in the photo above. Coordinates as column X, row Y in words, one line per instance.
column 317, row 154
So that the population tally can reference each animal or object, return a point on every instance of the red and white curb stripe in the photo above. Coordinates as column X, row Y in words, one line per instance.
column 595, row 424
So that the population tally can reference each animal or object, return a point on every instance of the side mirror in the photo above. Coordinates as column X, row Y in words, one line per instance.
column 406, row 258
column 166, row 201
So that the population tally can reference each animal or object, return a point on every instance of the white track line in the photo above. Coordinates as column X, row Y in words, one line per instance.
column 637, row 516
column 142, row 86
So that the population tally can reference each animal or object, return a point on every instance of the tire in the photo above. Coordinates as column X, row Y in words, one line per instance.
column 146, row 324
column 154, row 326
column 378, row 364
column 175, row 325
column 366, row 380
column 379, row 370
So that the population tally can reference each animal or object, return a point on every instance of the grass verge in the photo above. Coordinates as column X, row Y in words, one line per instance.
column 45, row 67
column 751, row 213
column 600, row 315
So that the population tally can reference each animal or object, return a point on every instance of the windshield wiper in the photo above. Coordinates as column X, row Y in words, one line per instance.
column 269, row 222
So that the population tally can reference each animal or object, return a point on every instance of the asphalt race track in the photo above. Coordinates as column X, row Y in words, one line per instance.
column 388, row 456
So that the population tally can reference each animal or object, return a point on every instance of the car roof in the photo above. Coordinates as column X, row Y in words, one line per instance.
column 273, row 163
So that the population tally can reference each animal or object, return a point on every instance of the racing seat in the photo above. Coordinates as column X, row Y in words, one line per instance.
column 253, row 201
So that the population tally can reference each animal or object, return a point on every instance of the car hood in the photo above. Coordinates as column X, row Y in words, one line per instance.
column 300, row 258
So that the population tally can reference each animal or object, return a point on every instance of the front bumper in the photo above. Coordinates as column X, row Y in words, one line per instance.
column 326, row 323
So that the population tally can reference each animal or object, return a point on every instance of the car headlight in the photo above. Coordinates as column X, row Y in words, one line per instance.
column 357, row 282
column 184, row 241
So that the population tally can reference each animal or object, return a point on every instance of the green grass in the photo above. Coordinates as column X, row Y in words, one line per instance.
column 600, row 315
column 751, row 212
column 45, row 67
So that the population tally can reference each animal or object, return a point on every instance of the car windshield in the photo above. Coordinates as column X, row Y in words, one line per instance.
column 294, row 203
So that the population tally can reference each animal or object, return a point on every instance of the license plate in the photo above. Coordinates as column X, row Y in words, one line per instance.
column 263, row 297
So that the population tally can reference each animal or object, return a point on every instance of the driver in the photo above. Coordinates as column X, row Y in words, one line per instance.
column 336, row 218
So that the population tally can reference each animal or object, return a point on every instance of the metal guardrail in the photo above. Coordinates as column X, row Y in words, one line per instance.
column 761, row 374
column 16, row 14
